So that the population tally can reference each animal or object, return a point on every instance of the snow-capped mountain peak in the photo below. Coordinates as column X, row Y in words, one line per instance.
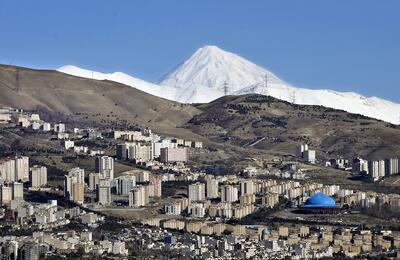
column 213, row 67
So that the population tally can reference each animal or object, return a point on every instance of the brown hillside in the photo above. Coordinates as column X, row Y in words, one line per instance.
column 232, row 121
column 104, row 101
column 242, row 120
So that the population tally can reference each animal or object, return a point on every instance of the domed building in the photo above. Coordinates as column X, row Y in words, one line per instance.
column 319, row 200
column 320, row 203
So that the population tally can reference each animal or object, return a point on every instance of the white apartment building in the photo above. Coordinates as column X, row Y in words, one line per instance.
column 11, row 192
column 247, row 187
column 6, row 195
column 197, row 210
column 143, row 176
column 156, row 183
column 124, row 184
column 373, row 170
column 67, row 144
column 7, row 170
column 105, row 167
column 196, row 191
column 382, row 168
column 138, row 197
column 173, row 209
column 170, row 155
column 59, row 128
column 165, row 143
column 134, row 135
column 391, row 166
column 303, row 152
column 46, row 126
column 309, row 156
column 104, row 192
column 17, row 191
column 300, row 149
column 38, row 176
column 62, row 136
column 93, row 180
column 72, row 191
column 212, row 188
column 35, row 125
column 22, row 168
column 360, row 166
column 35, row 117
column 229, row 193
column 135, row 151
column 15, row 169
column 81, row 149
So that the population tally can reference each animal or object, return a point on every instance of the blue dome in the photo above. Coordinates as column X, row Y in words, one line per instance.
column 319, row 200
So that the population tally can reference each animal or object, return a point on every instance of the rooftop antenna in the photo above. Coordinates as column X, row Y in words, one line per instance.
column 266, row 84
column 225, row 88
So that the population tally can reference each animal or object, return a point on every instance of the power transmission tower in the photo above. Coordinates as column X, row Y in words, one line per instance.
column 225, row 87
column 17, row 80
column 266, row 85
column 294, row 97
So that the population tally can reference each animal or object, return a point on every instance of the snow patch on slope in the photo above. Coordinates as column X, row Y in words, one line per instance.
column 123, row 78
column 348, row 101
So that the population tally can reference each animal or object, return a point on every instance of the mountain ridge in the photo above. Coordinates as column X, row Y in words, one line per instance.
column 201, row 79
column 228, row 123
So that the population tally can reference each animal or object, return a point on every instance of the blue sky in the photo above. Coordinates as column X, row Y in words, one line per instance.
column 344, row 45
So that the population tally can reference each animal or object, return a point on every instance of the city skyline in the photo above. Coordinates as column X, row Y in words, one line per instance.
column 199, row 130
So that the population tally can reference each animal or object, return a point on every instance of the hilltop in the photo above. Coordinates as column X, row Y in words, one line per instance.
column 87, row 100
column 267, row 123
